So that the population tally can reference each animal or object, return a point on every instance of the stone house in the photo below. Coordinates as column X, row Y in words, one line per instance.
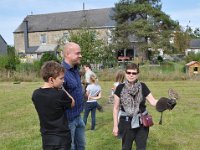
column 3, row 46
column 40, row 33
column 194, row 46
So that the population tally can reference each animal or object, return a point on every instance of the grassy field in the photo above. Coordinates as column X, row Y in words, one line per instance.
column 19, row 125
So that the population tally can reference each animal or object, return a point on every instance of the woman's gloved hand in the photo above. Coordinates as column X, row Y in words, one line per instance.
column 165, row 103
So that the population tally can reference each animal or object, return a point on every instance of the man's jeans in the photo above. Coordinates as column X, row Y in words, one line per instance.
column 77, row 128
column 90, row 106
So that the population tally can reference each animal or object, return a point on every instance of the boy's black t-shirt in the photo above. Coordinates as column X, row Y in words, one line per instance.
column 51, row 104
column 145, row 93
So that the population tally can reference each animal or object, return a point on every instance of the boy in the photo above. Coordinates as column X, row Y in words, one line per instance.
column 51, row 102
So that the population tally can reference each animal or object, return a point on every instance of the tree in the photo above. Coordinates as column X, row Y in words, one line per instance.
column 197, row 33
column 47, row 57
column 181, row 40
column 192, row 57
column 12, row 60
column 94, row 50
column 145, row 20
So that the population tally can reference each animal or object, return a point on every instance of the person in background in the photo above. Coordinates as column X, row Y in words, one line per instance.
column 51, row 101
column 72, row 84
column 130, row 98
column 119, row 78
column 88, row 73
column 93, row 92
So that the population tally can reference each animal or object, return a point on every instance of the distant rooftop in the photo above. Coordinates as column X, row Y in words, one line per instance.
column 195, row 43
column 96, row 18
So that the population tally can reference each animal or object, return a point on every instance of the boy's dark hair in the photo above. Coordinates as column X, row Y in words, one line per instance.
column 51, row 69
column 132, row 66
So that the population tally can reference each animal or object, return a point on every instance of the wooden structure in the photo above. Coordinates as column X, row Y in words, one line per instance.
column 193, row 68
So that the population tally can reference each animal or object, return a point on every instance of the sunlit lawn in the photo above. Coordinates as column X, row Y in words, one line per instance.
column 19, row 125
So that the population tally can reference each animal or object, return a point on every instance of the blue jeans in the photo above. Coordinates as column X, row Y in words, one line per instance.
column 90, row 106
column 77, row 128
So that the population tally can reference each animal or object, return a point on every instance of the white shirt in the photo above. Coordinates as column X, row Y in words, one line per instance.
column 93, row 90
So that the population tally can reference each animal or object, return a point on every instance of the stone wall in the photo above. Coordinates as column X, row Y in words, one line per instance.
column 52, row 38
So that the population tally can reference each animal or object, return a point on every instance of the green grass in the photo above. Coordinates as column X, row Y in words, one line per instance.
column 19, row 125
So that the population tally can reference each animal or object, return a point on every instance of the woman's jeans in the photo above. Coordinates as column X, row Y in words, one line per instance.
column 90, row 106
column 77, row 128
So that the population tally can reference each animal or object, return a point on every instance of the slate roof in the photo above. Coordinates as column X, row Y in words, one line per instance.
column 97, row 18
column 195, row 43
column 32, row 49
column 3, row 39
column 46, row 48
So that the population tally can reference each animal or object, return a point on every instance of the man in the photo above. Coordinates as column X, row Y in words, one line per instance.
column 88, row 74
column 72, row 83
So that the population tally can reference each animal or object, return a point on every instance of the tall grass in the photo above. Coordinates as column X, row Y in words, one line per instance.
column 19, row 125
column 27, row 72
column 163, row 72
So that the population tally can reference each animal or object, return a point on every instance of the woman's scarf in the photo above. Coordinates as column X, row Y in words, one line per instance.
column 131, row 97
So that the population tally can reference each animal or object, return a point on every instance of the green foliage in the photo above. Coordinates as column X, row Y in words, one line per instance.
column 37, row 66
column 197, row 33
column 192, row 57
column 47, row 57
column 3, row 62
column 193, row 33
column 12, row 59
column 181, row 40
column 145, row 20
column 93, row 49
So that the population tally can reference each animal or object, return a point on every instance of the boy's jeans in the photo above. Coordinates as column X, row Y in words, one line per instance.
column 77, row 128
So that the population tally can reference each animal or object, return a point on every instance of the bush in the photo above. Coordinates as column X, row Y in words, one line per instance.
column 47, row 57
column 3, row 62
column 192, row 57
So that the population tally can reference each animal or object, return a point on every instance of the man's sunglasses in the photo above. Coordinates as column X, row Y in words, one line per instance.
column 133, row 73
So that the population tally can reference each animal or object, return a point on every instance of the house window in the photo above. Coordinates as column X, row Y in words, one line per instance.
column 66, row 36
column 43, row 38
column 195, row 70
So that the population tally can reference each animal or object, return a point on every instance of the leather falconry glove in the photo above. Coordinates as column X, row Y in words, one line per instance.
column 167, row 103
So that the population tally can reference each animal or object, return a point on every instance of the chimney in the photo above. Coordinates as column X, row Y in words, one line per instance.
column 83, row 6
column 26, row 41
column 84, row 16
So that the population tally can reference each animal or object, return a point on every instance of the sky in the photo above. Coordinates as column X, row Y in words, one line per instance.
column 12, row 12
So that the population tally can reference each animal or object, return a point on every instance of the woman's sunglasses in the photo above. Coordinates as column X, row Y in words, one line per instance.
column 133, row 73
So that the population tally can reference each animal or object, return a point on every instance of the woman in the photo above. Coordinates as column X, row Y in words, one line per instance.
column 93, row 92
column 130, row 98
column 119, row 78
